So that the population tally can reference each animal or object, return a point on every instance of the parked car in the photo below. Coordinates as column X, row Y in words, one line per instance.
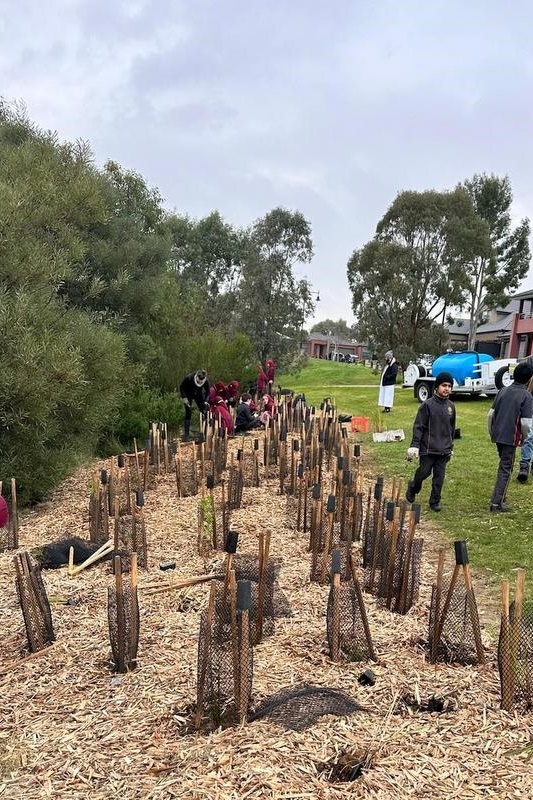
column 351, row 358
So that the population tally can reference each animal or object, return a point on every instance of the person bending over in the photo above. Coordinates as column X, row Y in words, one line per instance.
column 246, row 420
column 194, row 388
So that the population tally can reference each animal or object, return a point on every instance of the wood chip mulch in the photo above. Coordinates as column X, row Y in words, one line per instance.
column 70, row 728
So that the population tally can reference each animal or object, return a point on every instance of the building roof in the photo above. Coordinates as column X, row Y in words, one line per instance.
column 334, row 340
column 503, row 324
column 459, row 327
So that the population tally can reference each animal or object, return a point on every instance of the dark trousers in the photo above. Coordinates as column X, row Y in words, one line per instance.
column 505, row 470
column 188, row 415
column 428, row 464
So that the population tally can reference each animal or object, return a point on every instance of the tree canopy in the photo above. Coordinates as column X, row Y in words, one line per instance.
column 497, row 270
column 107, row 300
column 404, row 281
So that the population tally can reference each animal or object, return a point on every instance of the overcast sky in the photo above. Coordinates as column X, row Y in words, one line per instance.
column 326, row 107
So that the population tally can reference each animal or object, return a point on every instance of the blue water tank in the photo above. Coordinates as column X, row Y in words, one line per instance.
column 460, row 365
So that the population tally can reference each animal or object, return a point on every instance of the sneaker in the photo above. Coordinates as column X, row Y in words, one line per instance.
column 523, row 473
column 499, row 508
column 435, row 506
column 410, row 496
column 386, row 410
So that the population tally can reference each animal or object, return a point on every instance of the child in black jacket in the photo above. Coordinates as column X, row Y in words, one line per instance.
column 432, row 441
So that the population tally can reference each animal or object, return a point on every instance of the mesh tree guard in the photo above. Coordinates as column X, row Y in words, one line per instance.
column 225, row 661
column 393, row 571
column 515, row 648
column 348, row 631
column 186, row 471
column 235, row 486
column 207, row 535
column 321, row 565
column 220, row 454
column 123, row 618
column 271, row 448
column 129, row 535
column 99, row 511
column 268, row 600
column 33, row 602
column 454, row 630
column 250, row 463
column 355, row 516
column 119, row 487
column 298, row 708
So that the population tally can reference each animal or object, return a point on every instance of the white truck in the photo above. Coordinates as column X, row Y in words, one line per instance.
column 473, row 373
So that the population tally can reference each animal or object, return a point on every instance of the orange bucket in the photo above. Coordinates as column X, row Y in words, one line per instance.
column 360, row 424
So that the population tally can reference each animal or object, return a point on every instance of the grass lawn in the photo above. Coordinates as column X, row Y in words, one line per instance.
column 498, row 543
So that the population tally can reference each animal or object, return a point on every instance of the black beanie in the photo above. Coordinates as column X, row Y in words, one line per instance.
column 522, row 373
column 443, row 377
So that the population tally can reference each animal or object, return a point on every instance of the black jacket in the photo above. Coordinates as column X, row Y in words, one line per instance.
column 388, row 377
column 244, row 418
column 191, row 391
column 510, row 415
column 434, row 427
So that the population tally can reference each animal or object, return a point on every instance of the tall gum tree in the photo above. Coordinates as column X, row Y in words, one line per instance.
column 272, row 304
column 495, row 271
column 407, row 277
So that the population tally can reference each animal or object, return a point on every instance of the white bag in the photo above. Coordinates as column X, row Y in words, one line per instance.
column 389, row 436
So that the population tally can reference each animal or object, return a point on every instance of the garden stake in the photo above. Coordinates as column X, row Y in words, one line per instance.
column 462, row 556
column 116, row 531
column 230, row 546
column 392, row 557
column 177, row 584
column 438, row 594
column 316, row 519
column 507, row 675
column 121, row 621
column 264, row 551
column 200, row 691
column 335, row 589
column 137, row 463
column 145, row 470
column 102, row 551
column 301, row 489
column 362, row 608
column 244, row 603
column 234, row 636
column 447, row 601
column 517, row 619
column 330, row 508
column 401, row 606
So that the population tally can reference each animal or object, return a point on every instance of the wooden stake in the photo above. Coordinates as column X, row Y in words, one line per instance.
column 362, row 609
column 102, row 551
column 438, row 593
column 472, row 610
column 206, row 657
column 507, row 670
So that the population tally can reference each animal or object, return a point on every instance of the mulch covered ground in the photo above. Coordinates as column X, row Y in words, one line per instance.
column 70, row 728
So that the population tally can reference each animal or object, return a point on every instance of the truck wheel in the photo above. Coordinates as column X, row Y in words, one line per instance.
column 503, row 377
column 423, row 391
